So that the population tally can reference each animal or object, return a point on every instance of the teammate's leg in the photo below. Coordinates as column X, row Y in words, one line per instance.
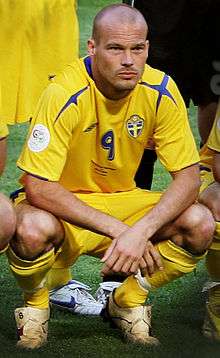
column 7, row 222
column 211, row 328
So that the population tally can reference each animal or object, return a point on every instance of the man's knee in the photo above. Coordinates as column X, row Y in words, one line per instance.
column 196, row 226
column 211, row 199
column 36, row 233
column 7, row 221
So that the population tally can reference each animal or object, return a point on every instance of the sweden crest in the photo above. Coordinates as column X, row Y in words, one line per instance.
column 135, row 125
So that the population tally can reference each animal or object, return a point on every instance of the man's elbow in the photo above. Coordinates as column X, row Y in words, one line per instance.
column 33, row 192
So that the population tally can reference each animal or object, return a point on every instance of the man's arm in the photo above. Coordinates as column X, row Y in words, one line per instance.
column 53, row 197
column 3, row 151
column 125, row 253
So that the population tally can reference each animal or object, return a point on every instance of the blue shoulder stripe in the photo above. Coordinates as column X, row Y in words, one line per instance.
column 72, row 99
column 162, row 90
column 87, row 63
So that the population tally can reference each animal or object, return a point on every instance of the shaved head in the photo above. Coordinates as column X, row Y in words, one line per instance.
column 117, row 14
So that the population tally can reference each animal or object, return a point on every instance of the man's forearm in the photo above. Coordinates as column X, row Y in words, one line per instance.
column 180, row 194
column 52, row 197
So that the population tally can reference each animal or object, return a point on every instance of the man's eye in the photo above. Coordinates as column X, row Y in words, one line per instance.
column 138, row 49
column 115, row 48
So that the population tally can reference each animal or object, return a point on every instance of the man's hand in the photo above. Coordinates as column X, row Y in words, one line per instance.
column 128, row 253
column 151, row 260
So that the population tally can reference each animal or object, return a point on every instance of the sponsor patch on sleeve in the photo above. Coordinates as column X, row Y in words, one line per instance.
column 39, row 138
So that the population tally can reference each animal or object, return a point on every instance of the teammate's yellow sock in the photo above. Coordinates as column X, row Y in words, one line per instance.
column 31, row 277
column 213, row 267
column 58, row 277
column 176, row 262
column 211, row 327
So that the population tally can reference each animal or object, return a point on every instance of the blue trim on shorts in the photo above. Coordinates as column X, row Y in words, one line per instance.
column 161, row 88
column 14, row 195
column 202, row 167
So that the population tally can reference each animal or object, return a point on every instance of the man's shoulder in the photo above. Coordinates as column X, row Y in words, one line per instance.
column 73, row 78
column 152, row 75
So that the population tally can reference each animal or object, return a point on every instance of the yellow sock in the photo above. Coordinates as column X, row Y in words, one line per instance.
column 37, row 299
column 213, row 267
column 130, row 293
column 176, row 262
column 58, row 277
column 31, row 277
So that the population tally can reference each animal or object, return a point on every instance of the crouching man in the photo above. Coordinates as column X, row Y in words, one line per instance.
column 85, row 143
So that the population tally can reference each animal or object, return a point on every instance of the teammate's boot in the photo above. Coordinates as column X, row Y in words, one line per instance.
column 74, row 297
column 32, row 327
column 135, row 323
column 104, row 290
column 211, row 326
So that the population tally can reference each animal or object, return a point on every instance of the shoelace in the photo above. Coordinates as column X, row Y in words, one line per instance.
column 104, row 291
column 81, row 293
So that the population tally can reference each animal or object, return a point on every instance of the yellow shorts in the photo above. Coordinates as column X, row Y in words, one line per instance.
column 206, row 179
column 128, row 207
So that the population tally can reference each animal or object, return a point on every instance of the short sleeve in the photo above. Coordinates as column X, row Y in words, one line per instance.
column 45, row 150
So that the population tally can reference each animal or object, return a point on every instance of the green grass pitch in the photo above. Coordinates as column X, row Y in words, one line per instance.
column 178, row 308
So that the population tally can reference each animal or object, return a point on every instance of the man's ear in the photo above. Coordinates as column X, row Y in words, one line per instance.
column 91, row 47
column 147, row 47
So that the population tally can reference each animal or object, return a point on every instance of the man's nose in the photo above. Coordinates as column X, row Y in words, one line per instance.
column 127, row 59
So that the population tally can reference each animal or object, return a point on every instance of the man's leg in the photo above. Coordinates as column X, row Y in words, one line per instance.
column 7, row 222
column 183, row 244
column 211, row 327
column 31, row 256
column 64, row 292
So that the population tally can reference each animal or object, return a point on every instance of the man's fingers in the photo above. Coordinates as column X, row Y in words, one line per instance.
column 109, row 251
column 150, row 263
column 156, row 256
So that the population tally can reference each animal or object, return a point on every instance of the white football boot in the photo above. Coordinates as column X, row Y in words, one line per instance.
column 32, row 327
column 74, row 297
column 104, row 290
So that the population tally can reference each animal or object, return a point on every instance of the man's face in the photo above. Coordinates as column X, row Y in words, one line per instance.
column 118, row 58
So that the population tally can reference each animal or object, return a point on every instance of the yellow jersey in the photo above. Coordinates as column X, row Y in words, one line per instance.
column 89, row 143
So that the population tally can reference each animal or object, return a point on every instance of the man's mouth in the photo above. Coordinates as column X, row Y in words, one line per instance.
column 127, row 74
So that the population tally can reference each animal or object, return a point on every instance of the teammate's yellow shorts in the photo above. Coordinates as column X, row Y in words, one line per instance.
column 128, row 207
column 207, row 179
